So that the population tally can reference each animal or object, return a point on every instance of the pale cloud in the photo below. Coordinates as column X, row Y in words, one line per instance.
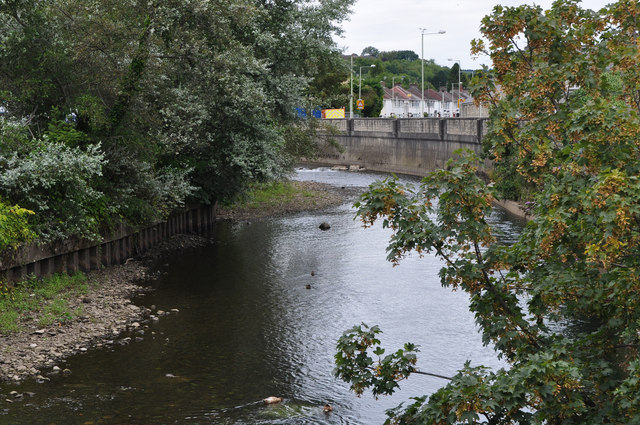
column 394, row 25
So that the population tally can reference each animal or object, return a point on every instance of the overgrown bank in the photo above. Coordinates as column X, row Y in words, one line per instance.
column 279, row 198
column 117, row 113
column 42, row 322
column 45, row 321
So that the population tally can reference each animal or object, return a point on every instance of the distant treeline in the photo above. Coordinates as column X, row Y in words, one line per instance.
column 401, row 67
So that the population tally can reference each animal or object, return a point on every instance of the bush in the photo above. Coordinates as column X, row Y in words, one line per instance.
column 14, row 227
column 140, row 193
column 57, row 182
column 15, row 137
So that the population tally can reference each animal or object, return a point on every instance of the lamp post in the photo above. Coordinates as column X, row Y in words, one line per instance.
column 351, row 93
column 453, row 87
column 422, row 31
column 360, row 85
column 458, row 61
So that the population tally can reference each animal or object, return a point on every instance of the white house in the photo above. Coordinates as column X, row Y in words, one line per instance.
column 407, row 103
column 400, row 103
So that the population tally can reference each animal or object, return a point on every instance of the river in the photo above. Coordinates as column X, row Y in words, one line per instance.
column 248, row 328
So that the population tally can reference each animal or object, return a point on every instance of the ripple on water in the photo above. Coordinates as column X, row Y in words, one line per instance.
column 248, row 328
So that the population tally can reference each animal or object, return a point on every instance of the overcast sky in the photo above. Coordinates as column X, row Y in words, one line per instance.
column 394, row 25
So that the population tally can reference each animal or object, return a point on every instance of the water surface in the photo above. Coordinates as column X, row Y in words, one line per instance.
column 248, row 328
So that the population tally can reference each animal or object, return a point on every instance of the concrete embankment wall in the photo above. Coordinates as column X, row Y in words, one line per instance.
column 409, row 146
column 73, row 256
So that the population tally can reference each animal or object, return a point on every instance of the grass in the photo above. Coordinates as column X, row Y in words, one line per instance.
column 47, row 300
column 267, row 195
column 58, row 311
column 276, row 199
column 9, row 321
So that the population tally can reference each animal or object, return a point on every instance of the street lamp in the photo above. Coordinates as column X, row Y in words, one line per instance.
column 360, row 86
column 422, row 30
column 458, row 61
column 351, row 94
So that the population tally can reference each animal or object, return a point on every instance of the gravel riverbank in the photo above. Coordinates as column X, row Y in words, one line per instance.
column 108, row 315
column 309, row 196
column 107, row 312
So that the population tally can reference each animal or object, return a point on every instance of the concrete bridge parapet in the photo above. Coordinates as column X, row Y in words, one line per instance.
column 411, row 146
column 427, row 129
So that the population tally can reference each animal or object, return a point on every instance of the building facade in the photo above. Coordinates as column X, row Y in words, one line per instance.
column 400, row 102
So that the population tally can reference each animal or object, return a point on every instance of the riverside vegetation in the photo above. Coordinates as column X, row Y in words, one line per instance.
column 31, row 295
column 281, row 197
column 121, row 112
column 42, row 321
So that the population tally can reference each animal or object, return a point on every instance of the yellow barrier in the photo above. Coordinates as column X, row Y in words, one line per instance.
column 333, row 113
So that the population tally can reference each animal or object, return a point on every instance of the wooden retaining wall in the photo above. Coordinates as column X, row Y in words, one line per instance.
column 74, row 256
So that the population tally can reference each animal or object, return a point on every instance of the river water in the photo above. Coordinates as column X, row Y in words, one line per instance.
column 248, row 328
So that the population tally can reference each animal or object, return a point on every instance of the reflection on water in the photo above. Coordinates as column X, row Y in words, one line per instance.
column 248, row 328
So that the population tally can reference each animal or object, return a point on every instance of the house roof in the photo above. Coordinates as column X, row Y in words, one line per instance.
column 413, row 93
column 463, row 94
column 431, row 94
column 399, row 93
column 448, row 97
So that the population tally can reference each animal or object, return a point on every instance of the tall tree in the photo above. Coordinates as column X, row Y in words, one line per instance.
column 576, row 261
column 187, row 100
column 452, row 80
column 399, row 54
column 370, row 51
column 372, row 94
